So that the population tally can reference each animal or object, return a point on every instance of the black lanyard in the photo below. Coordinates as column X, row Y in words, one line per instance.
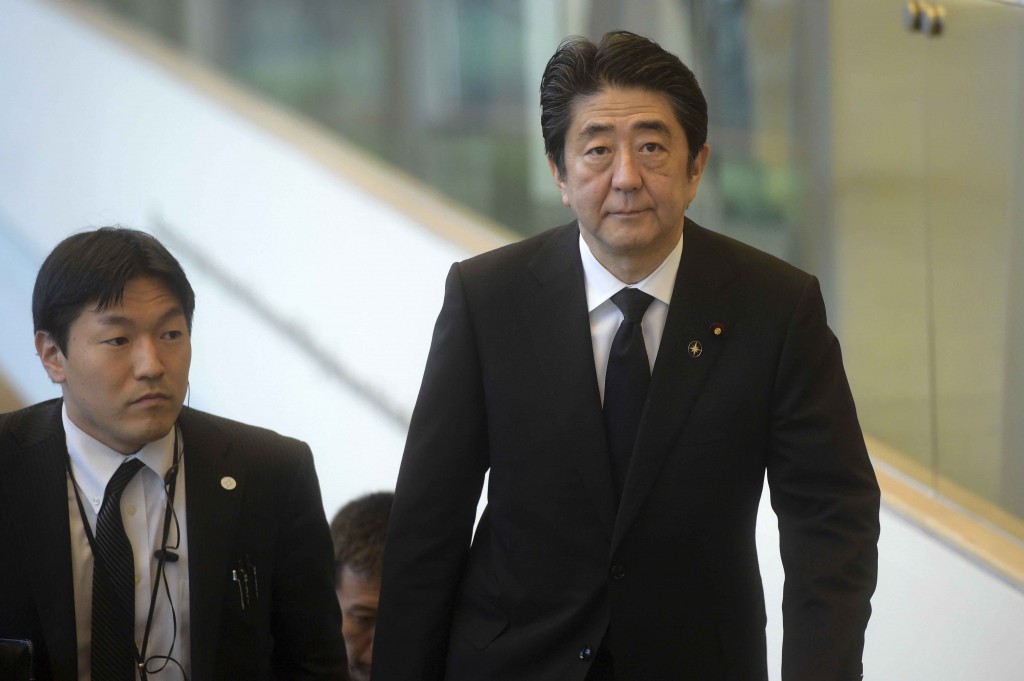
column 170, row 485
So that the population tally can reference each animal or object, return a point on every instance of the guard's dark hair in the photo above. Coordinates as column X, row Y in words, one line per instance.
column 580, row 68
column 358, row 531
column 91, row 269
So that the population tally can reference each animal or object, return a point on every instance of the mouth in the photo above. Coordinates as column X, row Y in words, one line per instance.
column 629, row 213
column 150, row 399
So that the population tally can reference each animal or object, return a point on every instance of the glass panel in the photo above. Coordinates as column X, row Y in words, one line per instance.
column 928, row 234
column 742, row 53
column 972, row 118
column 880, row 212
column 1012, row 491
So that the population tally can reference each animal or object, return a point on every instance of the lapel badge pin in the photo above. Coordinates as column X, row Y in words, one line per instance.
column 717, row 329
column 694, row 348
column 228, row 483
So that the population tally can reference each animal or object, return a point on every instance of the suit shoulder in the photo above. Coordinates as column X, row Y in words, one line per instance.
column 753, row 265
column 493, row 279
column 203, row 424
column 742, row 253
column 514, row 256
column 32, row 424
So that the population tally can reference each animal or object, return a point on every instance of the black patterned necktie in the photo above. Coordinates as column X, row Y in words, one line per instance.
column 626, row 381
column 113, row 586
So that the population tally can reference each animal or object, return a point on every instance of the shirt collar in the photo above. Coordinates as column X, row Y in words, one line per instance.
column 601, row 284
column 94, row 463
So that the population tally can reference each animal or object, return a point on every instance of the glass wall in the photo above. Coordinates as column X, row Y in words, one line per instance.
column 447, row 90
column 887, row 161
column 928, row 198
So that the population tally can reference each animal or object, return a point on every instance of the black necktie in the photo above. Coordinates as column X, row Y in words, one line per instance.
column 113, row 586
column 626, row 381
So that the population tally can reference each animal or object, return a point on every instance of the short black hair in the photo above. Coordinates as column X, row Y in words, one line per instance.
column 93, row 268
column 358, row 531
column 580, row 68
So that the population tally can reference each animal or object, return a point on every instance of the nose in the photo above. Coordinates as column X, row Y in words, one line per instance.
column 147, row 361
column 366, row 654
column 626, row 173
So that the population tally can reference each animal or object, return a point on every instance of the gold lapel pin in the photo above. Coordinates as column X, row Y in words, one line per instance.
column 694, row 348
column 228, row 483
column 717, row 329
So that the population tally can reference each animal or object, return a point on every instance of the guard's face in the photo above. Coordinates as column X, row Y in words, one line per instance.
column 626, row 177
column 126, row 372
column 358, row 598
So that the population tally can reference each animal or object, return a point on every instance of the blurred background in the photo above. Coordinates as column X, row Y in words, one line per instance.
column 297, row 154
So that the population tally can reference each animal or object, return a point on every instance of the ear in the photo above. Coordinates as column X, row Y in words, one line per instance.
column 700, row 162
column 559, row 181
column 51, row 356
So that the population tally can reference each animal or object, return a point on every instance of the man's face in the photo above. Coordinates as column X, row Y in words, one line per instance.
column 626, row 178
column 358, row 598
column 126, row 372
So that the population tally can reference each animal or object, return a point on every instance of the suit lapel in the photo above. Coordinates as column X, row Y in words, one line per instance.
column 213, row 511
column 560, row 327
column 698, row 301
column 37, row 486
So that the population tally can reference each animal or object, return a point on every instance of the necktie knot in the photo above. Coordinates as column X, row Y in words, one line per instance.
column 122, row 476
column 633, row 304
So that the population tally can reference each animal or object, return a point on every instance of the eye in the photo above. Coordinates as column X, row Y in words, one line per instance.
column 651, row 147
column 120, row 340
column 174, row 334
column 363, row 620
column 597, row 151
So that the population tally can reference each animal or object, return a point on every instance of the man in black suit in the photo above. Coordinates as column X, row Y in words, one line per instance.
column 618, row 537
column 212, row 559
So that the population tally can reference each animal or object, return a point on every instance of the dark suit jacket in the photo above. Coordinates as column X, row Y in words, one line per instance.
column 672, row 570
column 274, row 515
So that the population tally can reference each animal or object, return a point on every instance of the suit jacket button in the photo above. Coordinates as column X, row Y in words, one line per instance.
column 618, row 572
column 585, row 653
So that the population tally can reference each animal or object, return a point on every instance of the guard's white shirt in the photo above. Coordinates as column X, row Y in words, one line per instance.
column 142, row 509
column 605, row 318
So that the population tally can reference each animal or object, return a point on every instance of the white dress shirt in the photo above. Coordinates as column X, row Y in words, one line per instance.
column 605, row 318
column 142, row 508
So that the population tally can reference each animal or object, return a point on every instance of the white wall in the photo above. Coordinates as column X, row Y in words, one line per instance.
column 91, row 134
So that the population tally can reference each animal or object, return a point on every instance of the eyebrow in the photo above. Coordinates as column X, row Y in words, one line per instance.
column 654, row 126
column 592, row 130
column 120, row 320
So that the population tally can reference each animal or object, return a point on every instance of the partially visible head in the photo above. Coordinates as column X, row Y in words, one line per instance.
column 112, row 311
column 91, row 269
column 621, row 60
column 359, row 530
